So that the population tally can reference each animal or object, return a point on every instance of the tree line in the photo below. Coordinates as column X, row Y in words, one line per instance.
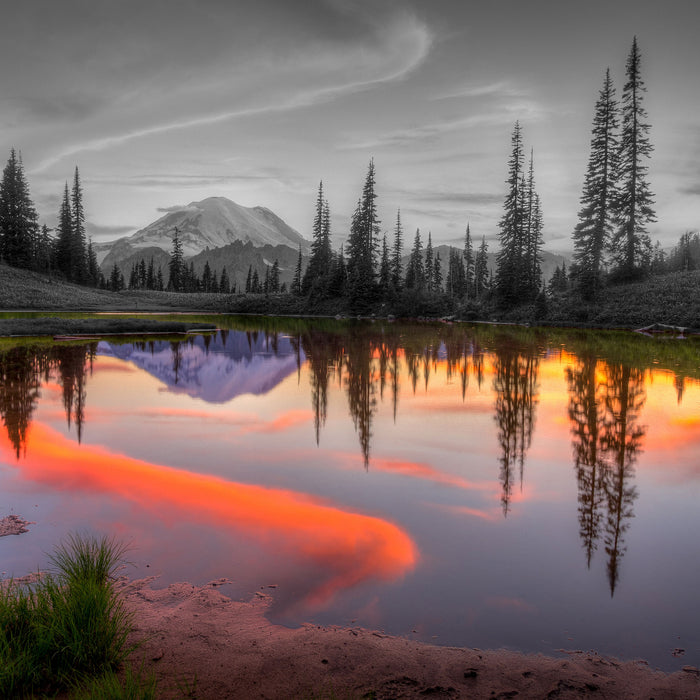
column 374, row 269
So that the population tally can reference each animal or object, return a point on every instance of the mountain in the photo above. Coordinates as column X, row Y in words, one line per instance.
column 210, row 224
column 217, row 369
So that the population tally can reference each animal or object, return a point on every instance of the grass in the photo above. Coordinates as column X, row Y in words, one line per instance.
column 69, row 626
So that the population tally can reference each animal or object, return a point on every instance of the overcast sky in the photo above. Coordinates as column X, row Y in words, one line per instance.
column 163, row 102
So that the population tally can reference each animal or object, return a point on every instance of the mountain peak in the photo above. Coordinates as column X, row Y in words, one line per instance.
column 215, row 222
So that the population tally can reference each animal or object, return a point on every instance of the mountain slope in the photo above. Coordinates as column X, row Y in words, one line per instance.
column 212, row 223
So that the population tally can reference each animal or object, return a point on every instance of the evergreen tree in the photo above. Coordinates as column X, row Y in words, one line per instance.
column 384, row 270
column 255, row 286
column 468, row 263
column 45, row 250
column 249, row 280
column 176, row 265
column 224, row 282
column 19, row 228
column 509, row 261
column 151, row 275
column 93, row 269
column 274, row 285
column 396, row 269
column 206, row 277
column 429, row 263
column 321, row 253
column 296, row 281
column 593, row 232
column 116, row 279
column 363, row 243
column 481, row 269
column 532, row 237
column 159, row 280
column 79, row 262
column 437, row 274
column 631, row 245
column 415, row 274
column 64, row 241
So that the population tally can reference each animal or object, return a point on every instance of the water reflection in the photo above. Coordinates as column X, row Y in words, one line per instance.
column 496, row 372
column 605, row 402
column 22, row 369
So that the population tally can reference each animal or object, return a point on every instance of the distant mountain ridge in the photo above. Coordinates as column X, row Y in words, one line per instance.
column 210, row 224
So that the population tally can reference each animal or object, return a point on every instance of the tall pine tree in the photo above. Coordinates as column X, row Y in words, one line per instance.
column 19, row 228
column 593, row 232
column 631, row 245
column 79, row 261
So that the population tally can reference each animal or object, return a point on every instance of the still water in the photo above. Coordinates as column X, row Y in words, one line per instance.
column 475, row 486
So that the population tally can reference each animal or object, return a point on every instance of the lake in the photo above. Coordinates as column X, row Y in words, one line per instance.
column 480, row 486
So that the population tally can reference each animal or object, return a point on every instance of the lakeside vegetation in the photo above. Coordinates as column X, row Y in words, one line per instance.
column 68, row 631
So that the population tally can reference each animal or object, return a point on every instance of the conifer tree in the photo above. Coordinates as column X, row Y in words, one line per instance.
column 151, row 275
column 481, row 269
column 593, row 232
column 249, row 280
column 415, row 274
column 384, row 270
column 429, row 263
column 437, row 274
column 532, row 237
column 224, row 282
column 468, row 262
column 79, row 262
column 509, row 261
column 64, row 242
column 320, row 260
column 255, row 286
column 296, row 280
column 274, row 284
column 19, row 228
column 363, row 243
column 176, row 265
column 631, row 245
column 396, row 269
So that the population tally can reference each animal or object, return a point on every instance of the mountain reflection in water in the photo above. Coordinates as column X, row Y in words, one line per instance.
column 460, row 477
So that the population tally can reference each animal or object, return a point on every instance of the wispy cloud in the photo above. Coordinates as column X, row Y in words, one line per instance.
column 499, row 90
column 319, row 72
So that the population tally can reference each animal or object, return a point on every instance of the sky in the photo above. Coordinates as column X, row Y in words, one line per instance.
column 163, row 102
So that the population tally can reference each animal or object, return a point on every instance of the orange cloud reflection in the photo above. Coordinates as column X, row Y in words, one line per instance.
column 349, row 548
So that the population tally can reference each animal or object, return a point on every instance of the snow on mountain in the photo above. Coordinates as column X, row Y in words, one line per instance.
column 209, row 224
column 217, row 373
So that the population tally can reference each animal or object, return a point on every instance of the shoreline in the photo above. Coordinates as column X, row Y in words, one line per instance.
column 196, row 636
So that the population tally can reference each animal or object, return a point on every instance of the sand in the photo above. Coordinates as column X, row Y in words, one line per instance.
column 203, row 645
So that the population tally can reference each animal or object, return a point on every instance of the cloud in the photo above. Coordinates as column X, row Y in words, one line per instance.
column 296, row 76
column 498, row 90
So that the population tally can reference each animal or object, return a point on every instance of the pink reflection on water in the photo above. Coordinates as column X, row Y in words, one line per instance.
column 346, row 548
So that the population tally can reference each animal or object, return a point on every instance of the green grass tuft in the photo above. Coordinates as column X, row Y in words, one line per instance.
column 69, row 625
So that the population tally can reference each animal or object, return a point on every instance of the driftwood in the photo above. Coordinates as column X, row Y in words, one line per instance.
column 662, row 328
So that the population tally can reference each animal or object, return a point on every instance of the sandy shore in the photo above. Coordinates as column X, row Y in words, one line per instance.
column 199, row 640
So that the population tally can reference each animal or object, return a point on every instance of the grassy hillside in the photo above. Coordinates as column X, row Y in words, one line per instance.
column 672, row 299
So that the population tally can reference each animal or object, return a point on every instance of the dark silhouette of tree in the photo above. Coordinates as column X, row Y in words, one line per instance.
column 532, row 236
column 19, row 393
column 622, row 437
column 586, row 413
column 64, row 241
column 296, row 281
column 71, row 363
column 481, row 269
column 363, row 245
column 176, row 265
column 429, row 264
column 19, row 228
column 631, row 246
column 315, row 279
column 361, row 390
column 515, row 384
column 469, row 261
column 593, row 232
column 396, row 267
column 415, row 272
column 509, row 261
column 384, row 270
column 79, row 261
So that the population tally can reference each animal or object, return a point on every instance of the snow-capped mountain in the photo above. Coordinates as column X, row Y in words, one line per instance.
column 211, row 223
column 215, row 372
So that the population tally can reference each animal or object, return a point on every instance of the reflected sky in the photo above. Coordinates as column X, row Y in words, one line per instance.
column 480, row 487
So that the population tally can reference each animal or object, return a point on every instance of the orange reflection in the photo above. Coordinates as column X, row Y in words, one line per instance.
column 349, row 548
